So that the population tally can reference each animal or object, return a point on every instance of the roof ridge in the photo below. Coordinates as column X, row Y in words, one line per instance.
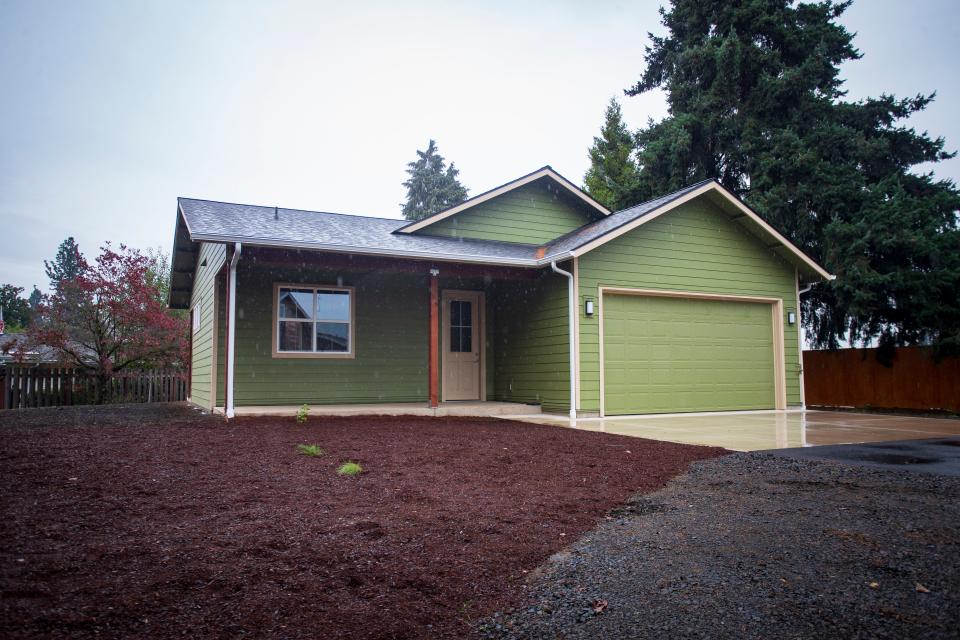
column 271, row 207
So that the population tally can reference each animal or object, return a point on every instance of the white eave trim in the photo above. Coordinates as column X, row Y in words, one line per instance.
column 696, row 193
column 499, row 191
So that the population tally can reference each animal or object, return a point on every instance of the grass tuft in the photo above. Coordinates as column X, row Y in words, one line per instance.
column 349, row 469
column 311, row 450
column 302, row 413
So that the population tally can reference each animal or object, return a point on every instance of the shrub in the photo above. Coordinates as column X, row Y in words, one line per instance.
column 349, row 469
column 302, row 414
column 311, row 450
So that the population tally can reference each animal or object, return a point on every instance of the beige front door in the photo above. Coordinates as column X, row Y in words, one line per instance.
column 462, row 345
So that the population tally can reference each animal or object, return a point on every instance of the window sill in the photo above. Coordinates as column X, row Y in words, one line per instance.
column 283, row 355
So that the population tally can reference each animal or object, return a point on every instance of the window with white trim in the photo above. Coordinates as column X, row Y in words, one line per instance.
column 315, row 320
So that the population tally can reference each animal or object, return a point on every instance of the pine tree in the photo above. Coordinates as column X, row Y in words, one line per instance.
column 66, row 265
column 16, row 310
column 612, row 177
column 756, row 102
column 432, row 186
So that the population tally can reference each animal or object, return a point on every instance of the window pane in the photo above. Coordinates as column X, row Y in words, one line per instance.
column 466, row 339
column 333, row 305
column 454, row 339
column 333, row 336
column 454, row 313
column 295, row 336
column 466, row 317
column 296, row 303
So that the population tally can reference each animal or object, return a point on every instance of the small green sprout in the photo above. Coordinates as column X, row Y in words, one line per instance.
column 302, row 413
column 311, row 450
column 349, row 469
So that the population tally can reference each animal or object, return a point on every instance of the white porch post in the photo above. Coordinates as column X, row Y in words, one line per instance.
column 232, row 328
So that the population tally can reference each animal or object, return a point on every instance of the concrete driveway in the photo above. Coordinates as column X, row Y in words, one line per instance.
column 760, row 430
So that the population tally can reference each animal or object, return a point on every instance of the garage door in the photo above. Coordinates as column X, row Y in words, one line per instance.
column 665, row 355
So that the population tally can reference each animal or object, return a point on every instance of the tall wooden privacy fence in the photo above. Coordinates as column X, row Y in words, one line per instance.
column 23, row 387
column 855, row 378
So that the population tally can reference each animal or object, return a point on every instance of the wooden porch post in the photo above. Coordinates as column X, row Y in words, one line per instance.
column 433, row 348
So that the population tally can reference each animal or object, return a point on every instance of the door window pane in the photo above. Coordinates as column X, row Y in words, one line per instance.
column 296, row 336
column 461, row 326
column 296, row 303
column 333, row 336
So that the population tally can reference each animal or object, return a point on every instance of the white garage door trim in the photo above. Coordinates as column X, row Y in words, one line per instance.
column 776, row 309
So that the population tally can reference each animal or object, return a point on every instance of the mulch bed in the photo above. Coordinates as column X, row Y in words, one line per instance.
column 187, row 526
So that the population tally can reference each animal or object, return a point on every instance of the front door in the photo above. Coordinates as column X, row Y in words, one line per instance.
column 462, row 345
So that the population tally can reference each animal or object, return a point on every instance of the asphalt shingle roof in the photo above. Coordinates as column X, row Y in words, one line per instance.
column 227, row 222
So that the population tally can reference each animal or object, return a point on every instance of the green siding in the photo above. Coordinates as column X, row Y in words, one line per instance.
column 531, row 342
column 681, row 354
column 532, row 214
column 201, row 361
column 390, row 341
column 693, row 248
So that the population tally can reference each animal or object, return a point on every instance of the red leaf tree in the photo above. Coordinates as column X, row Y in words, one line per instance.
column 110, row 318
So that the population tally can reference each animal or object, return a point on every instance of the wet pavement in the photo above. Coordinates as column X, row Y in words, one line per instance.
column 764, row 430
column 940, row 455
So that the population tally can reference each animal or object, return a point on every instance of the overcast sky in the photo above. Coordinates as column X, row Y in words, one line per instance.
column 111, row 110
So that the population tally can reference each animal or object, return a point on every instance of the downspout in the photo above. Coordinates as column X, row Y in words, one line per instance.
column 803, row 390
column 232, row 329
column 571, row 313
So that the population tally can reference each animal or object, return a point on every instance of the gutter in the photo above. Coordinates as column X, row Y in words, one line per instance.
column 232, row 328
column 334, row 248
column 571, row 317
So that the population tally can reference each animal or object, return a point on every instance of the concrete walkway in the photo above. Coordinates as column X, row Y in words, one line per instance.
column 762, row 430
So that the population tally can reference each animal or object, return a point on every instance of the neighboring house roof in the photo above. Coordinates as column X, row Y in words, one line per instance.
column 9, row 342
column 546, row 172
column 212, row 221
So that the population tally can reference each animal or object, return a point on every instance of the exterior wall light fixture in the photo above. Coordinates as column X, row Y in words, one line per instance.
column 588, row 308
column 791, row 317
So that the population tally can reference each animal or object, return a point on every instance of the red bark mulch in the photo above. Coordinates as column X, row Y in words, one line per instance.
column 197, row 528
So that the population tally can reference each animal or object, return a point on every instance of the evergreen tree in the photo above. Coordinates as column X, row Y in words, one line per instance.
column 35, row 299
column 16, row 310
column 611, row 179
column 756, row 102
column 67, row 264
column 432, row 186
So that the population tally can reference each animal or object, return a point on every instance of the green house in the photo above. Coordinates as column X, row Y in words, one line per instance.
column 529, row 293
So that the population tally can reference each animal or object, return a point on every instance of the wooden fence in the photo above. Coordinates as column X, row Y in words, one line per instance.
column 855, row 378
column 23, row 387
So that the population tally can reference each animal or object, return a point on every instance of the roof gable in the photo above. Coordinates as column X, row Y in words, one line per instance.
column 592, row 236
column 545, row 175
column 536, row 213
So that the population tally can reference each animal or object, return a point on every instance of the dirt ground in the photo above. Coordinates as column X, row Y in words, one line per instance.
column 119, row 523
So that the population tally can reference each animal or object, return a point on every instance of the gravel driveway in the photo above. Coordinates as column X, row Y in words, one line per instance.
column 757, row 546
